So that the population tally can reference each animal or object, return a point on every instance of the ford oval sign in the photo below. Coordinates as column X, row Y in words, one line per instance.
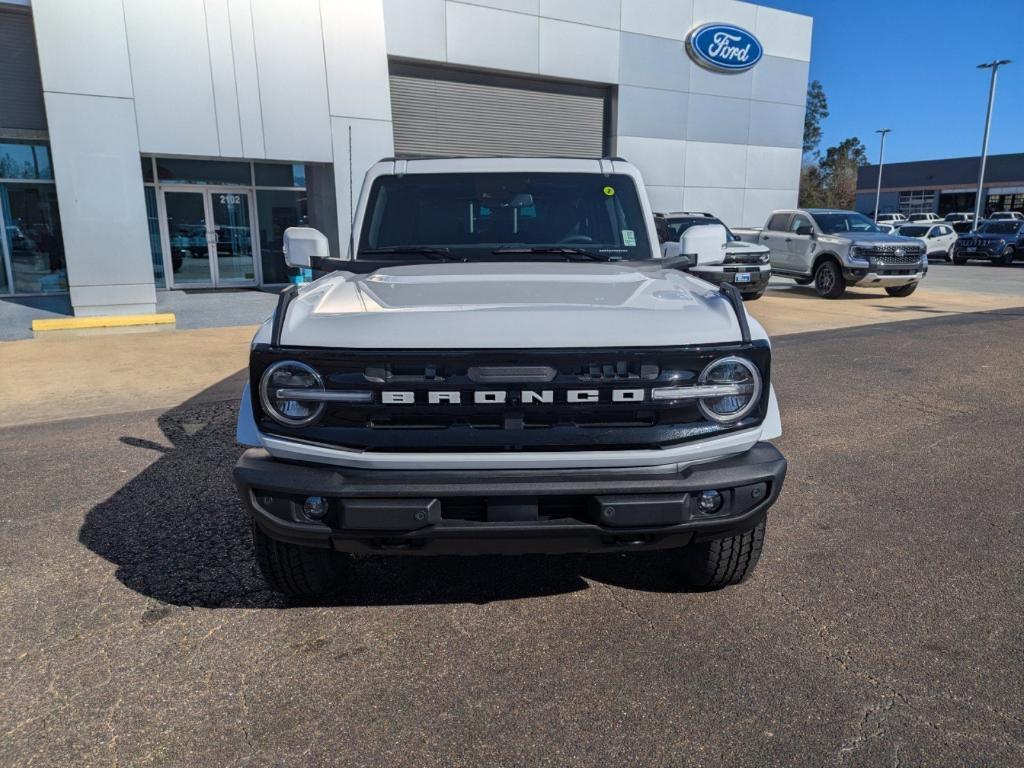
column 723, row 47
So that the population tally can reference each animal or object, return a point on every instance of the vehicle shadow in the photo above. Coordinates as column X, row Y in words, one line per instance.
column 178, row 534
column 808, row 292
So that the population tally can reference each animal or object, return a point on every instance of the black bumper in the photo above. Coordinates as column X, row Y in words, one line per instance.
column 507, row 511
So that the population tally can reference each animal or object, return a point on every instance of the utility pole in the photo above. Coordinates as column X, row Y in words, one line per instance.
column 881, row 162
column 994, row 66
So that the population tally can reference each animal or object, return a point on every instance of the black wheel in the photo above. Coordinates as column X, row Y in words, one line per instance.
column 720, row 562
column 298, row 571
column 903, row 290
column 959, row 260
column 753, row 295
column 828, row 280
column 1007, row 256
column 803, row 280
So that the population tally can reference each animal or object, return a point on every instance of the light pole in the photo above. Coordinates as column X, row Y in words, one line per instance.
column 994, row 66
column 881, row 161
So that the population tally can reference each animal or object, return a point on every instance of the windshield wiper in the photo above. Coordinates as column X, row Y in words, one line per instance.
column 557, row 249
column 442, row 254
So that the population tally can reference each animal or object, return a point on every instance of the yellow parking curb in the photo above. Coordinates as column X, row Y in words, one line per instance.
column 104, row 321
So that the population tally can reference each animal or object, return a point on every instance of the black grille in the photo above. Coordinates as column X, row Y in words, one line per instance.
column 887, row 254
column 521, row 423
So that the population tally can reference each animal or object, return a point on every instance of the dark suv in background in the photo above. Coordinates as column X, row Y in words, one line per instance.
column 997, row 241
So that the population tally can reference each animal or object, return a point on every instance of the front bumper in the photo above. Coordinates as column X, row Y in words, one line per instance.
column 881, row 277
column 754, row 278
column 508, row 511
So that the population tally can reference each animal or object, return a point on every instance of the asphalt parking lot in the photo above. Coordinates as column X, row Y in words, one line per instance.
column 882, row 627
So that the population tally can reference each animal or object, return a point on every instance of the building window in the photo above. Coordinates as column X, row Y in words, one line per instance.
column 276, row 210
column 32, row 238
column 155, row 245
column 24, row 160
column 213, row 172
column 917, row 201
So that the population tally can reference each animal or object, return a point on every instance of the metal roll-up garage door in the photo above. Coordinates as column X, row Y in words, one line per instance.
column 21, row 103
column 447, row 112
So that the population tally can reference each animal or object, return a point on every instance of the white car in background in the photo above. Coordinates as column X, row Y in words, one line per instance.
column 1007, row 216
column 924, row 218
column 891, row 219
column 938, row 238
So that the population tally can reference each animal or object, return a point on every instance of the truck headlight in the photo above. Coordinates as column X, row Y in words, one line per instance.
column 285, row 378
column 740, row 378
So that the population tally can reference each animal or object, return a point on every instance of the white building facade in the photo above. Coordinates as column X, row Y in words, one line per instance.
column 172, row 141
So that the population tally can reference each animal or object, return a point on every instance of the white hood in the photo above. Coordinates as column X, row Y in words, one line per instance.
column 512, row 305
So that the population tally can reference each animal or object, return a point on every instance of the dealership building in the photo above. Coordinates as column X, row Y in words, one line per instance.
column 943, row 186
column 158, row 144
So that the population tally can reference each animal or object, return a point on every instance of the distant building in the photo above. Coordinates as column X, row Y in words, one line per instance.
column 943, row 186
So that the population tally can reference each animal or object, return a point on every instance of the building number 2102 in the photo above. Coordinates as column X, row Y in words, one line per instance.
column 230, row 199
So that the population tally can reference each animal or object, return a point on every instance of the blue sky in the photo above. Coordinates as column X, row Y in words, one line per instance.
column 909, row 65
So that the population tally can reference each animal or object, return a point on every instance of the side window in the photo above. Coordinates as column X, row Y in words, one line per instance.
column 662, row 227
column 777, row 223
column 798, row 222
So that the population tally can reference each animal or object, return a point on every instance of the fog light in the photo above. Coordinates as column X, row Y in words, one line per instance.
column 315, row 507
column 709, row 502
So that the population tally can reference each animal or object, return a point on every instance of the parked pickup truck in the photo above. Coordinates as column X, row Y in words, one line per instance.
column 834, row 249
column 743, row 264
column 504, row 362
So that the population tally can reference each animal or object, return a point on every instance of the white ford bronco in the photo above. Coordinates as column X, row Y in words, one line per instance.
column 505, row 362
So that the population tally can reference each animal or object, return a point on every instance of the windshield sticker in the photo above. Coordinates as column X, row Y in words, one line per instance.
column 609, row 191
column 628, row 237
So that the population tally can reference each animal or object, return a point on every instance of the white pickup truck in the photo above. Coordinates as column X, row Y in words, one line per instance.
column 506, row 363
column 835, row 249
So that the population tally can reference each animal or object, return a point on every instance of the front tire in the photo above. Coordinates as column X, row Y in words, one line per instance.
column 828, row 280
column 722, row 562
column 753, row 295
column 1007, row 256
column 901, row 291
column 297, row 571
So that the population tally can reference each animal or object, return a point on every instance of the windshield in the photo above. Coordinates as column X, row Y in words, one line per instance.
column 844, row 221
column 472, row 215
column 1000, row 227
column 914, row 231
column 676, row 227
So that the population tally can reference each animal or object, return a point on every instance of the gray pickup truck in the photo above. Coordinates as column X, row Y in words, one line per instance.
column 834, row 249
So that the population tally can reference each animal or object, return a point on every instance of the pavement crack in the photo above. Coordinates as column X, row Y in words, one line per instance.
column 627, row 607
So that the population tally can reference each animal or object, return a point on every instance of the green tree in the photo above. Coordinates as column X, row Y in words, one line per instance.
column 816, row 111
column 838, row 171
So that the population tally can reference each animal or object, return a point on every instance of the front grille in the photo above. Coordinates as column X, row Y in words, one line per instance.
column 973, row 242
column 886, row 254
column 525, row 421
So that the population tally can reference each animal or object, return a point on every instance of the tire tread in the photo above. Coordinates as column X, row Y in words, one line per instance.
column 296, row 571
column 722, row 562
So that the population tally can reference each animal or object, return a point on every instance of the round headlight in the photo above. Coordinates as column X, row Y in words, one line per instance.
column 744, row 381
column 283, row 379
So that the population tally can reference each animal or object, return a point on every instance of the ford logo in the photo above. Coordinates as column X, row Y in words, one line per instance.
column 723, row 48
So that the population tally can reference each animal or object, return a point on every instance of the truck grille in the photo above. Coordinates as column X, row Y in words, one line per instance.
column 519, row 423
column 887, row 254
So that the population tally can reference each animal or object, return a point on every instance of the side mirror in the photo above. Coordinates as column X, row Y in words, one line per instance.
column 302, row 245
column 804, row 231
column 704, row 242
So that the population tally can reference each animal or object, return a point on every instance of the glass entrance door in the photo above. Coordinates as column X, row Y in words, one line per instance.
column 232, row 237
column 209, row 233
column 188, row 236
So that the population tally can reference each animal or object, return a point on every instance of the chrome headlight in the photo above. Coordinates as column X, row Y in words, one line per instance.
column 856, row 252
column 281, row 393
column 740, row 383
